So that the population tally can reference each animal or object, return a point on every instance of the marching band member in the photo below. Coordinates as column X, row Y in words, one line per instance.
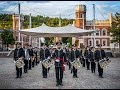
column 27, row 57
column 99, row 54
column 35, row 55
column 60, row 58
column 69, row 59
column 31, row 56
column 18, row 53
column 75, row 54
column 86, row 55
column 92, row 60
column 44, row 54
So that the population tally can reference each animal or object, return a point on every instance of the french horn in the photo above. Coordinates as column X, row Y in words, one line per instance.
column 76, row 63
column 19, row 63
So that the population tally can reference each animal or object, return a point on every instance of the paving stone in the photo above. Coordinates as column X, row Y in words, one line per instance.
column 33, row 79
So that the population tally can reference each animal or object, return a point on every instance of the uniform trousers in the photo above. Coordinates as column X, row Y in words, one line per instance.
column 25, row 66
column 44, row 71
column 100, row 70
column 93, row 67
column 18, row 72
column 59, row 74
column 87, row 64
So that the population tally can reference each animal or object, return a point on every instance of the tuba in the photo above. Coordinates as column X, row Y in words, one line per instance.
column 104, row 62
column 19, row 63
column 47, row 63
column 76, row 63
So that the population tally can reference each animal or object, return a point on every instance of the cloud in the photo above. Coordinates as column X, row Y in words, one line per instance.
column 55, row 8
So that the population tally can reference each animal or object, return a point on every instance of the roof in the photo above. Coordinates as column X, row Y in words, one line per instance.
column 46, row 31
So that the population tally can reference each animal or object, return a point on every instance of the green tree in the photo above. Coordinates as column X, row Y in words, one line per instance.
column 7, row 37
column 115, row 29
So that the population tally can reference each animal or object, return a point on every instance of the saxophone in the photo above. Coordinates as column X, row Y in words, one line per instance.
column 76, row 63
column 19, row 63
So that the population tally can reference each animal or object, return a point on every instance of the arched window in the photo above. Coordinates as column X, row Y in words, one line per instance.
column 80, row 15
column 97, row 32
column 104, row 32
column 90, row 42
column 104, row 42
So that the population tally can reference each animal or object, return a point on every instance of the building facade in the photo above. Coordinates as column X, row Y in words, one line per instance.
column 102, row 27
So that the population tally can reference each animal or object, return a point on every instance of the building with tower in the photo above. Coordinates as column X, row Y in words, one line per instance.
column 102, row 36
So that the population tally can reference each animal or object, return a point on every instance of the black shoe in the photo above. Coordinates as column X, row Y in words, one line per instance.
column 20, row 77
column 76, row 76
column 17, row 77
column 101, row 76
column 61, row 84
column 57, row 84
column 73, row 76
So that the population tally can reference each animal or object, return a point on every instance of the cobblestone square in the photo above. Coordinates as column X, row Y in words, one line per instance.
column 33, row 79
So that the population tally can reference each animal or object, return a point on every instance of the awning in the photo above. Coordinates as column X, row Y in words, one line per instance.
column 46, row 31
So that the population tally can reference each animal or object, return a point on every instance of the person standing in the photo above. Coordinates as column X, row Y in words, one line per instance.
column 27, row 58
column 18, row 53
column 69, row 58
column 35, row 55
column 44, row 54
column 75, row 54
column 31, row 57
column 92, row 60
column 59, row 57
column 86, row 55
column 100, row 54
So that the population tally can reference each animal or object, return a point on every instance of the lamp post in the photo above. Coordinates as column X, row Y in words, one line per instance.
column 94, row 23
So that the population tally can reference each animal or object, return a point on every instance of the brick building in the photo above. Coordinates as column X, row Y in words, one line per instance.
column 102, row 36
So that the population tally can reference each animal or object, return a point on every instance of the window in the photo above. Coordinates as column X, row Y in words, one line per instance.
column 104, row 32
column 97, row 33
column 97, row 41
column 90, row 42
column 80, row 15
column 104, row 42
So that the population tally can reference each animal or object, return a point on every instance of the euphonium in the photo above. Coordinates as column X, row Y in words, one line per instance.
column 76, row 63
column 19, row 63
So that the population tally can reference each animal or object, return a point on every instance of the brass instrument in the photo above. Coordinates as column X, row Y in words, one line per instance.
column 76, row 63
column 47, row 63
column 104, row 62
column 19, row 63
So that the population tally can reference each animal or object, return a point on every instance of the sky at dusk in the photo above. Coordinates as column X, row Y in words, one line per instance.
column 65, row 8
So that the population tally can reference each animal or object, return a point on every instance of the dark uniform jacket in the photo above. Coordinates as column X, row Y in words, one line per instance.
column 35, row 53
column 69, row 55
column 31, row 52
column 92, row 56
column 18, row 54
column 75, row 54
column 99, row 54
column 44, row 54
column 61, row 55
column 86, row 54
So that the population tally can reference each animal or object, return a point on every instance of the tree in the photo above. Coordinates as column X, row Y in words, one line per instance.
column 115, row 29
column 7, row 37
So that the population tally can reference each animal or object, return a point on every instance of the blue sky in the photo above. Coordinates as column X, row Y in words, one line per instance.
column 65, row 8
